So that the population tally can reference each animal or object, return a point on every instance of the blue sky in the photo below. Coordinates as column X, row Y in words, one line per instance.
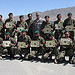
column 23, row 7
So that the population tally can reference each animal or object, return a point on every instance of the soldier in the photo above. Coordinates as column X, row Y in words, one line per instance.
column 10, row 20
column 70, row 21
column 22, row 24
column 24, row 38
column 36, row 26
column 36, row 51
column 12, row 48
column 46, row 24
column 58, row 32
column 29, row 22
column 1, row 48
column 66, row 49
column 1, row 27
column 51, row 50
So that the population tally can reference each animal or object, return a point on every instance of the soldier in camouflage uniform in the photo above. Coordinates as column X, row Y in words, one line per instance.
column 36, row 51
column 11, row 21
column 70, row 21
column 51, row 50
column 24, row 38
column 58, row 32
column 66, row 49
column 1, row 48
column 20, row 23
column 13, row 47
column 1, row 27
column 46, row 24
column 29, row 22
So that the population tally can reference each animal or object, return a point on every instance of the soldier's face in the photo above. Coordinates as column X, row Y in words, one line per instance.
column 23, row 33
column 21, row 19
column 70, row 16
column 67, row 35
column 0, row 18
column 7, row 36
column 59, row 17
column 47, row 19
column 51, row 37
column 30, row 16
column 37, row 35
column 10, row 16
column 38, row 17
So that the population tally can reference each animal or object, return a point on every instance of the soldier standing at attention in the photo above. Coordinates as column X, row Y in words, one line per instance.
column 46, row 24
column 29, row 22
column 10, row 20
column 24, row 38
column 36, row 26
column 69, row 21
column 22, row 24
column 1, row 27
column 58, row 32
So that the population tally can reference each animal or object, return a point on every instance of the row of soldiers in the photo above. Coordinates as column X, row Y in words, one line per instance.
column 34, row 30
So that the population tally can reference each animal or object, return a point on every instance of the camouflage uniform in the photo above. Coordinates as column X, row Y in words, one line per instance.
column 24, row 51
column 1, row 49
column 58, row 33
column 50, row 51
column 47, row 25
column 13, row 48
column 19, row 24
column 29, row 22
column 70, row 22
column 36, row 51
column 2, row 29
column 66, row 50
column 10, row 29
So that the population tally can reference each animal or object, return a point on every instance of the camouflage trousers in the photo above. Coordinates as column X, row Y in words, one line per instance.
column 10, row 50
column 1, row 51
column 65, row 52
column 50, row 52
column 36, row 52
column 24, row 51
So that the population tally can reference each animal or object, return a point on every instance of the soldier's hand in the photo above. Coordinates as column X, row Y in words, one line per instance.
column 54, row 26
column 59, row 42
column 5, row 26
column 41, row 45
column 1, row 26
column 51, row 28
column 30, row 44
column 45, row 45
column 2, row 44
column 70, row 42
column 14, row 25
column 26, row 46
column 11, row 44
column 73, row 27
column 17, row 46
column 55, row 44
column 16, row 30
